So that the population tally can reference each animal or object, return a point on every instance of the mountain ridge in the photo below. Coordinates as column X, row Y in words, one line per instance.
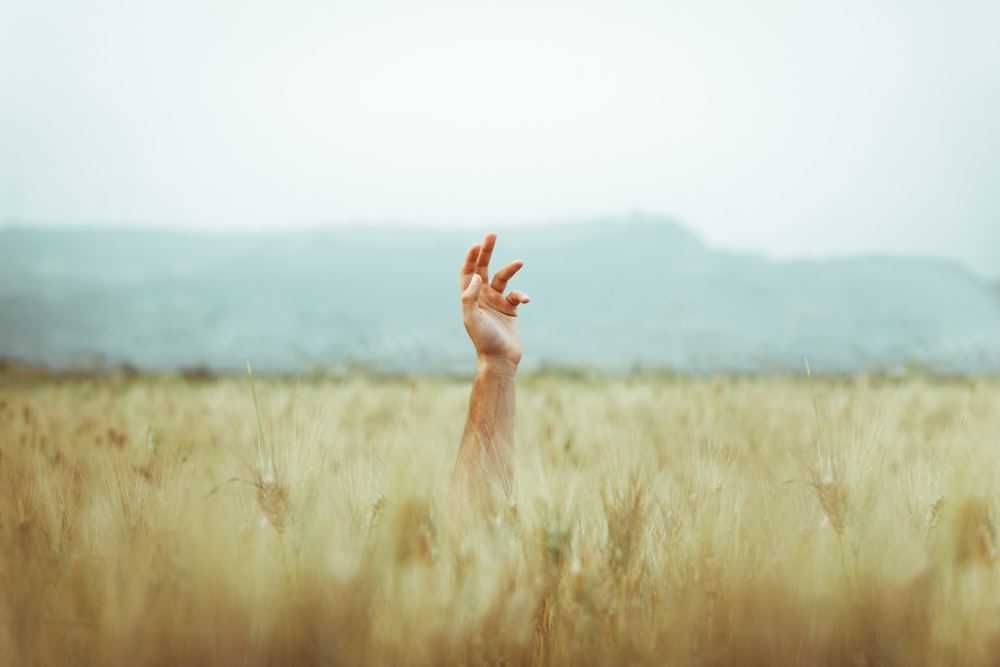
column 610, row 293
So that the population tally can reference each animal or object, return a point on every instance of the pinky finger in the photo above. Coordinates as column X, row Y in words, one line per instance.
column 517, row 297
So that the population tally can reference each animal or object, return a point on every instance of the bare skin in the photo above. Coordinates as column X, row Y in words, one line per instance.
column 484, row 469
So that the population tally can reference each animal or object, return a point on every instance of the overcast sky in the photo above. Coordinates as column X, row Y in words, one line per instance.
column 785, row 127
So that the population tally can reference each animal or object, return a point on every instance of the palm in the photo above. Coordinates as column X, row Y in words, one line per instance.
column 490, row 317
column 493, row 331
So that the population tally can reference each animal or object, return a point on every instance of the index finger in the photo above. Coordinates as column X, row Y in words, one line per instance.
column 469, row 266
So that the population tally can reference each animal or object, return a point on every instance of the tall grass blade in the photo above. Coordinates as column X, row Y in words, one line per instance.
column 825, row 467
column 262, row 448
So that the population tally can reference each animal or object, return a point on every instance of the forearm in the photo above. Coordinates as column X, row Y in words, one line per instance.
column 487, row 448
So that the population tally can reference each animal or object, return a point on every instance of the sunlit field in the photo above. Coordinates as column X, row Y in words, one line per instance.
column 656, row 520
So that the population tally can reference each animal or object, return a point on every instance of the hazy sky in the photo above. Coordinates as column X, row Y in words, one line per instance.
column 787, row 127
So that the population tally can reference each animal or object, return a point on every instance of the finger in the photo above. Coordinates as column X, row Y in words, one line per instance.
column 470, row 296
column 485, row 253
column 506, row 273
column 469, row 266
column 517, row 297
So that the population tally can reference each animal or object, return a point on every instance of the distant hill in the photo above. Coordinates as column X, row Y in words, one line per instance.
column 611, row 293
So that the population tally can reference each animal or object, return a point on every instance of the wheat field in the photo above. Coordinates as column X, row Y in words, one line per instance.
column 656, row 520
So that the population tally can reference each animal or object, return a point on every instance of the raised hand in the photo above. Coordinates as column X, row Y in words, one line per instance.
column 484, row 471
column 490, row 317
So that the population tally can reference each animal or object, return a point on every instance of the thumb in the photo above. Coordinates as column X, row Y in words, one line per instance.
column 470, row 296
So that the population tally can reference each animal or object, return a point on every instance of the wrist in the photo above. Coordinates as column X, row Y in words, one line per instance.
column 495, row 366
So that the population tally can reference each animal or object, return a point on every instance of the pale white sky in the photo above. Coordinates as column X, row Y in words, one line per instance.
column 792, row 128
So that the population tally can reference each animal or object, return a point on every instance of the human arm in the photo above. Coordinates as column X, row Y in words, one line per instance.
column 485, row 456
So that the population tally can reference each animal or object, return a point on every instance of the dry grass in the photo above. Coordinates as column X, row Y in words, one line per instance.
column 656, row 521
